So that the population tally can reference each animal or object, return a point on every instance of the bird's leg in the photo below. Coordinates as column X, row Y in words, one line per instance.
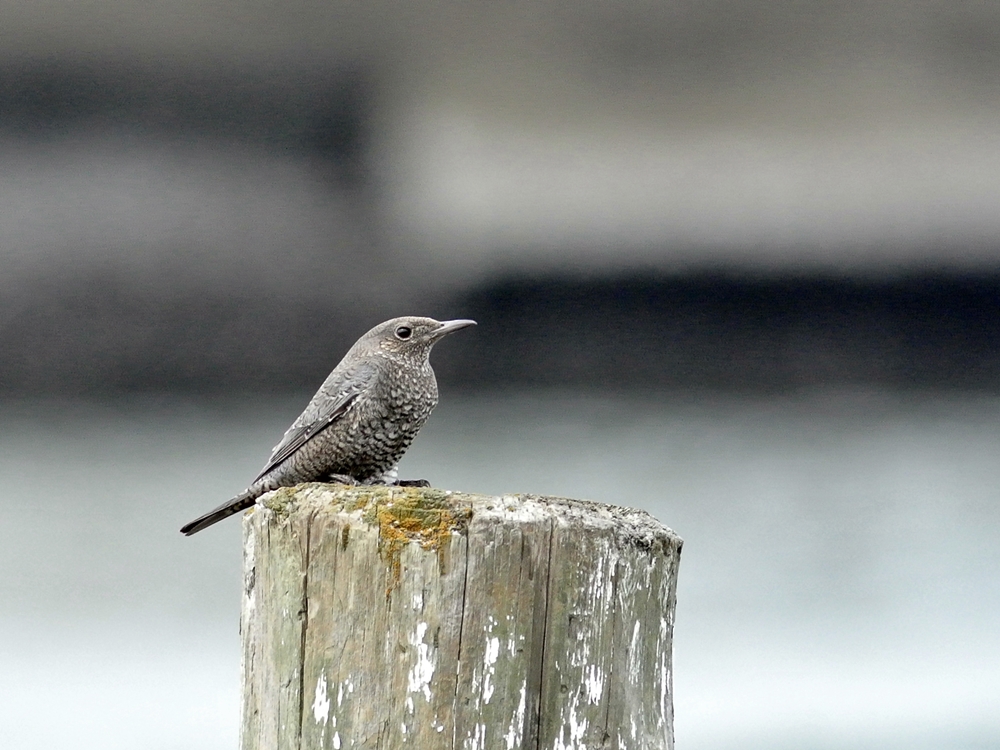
column 386, row 479
column 400, row 482
column 391, row 478
column 341, row 479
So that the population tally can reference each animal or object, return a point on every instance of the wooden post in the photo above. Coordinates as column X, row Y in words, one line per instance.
column 379, row 617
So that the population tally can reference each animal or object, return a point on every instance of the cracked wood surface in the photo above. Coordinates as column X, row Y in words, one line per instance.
column 380, row 617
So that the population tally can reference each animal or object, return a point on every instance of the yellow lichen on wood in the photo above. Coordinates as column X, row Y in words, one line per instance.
column 407, row 515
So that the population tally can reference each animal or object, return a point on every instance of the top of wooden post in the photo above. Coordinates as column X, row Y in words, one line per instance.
column 427, row 515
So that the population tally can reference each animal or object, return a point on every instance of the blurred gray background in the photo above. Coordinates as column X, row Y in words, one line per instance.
column 737, row 263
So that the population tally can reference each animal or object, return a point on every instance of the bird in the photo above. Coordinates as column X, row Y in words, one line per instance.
column 361, row 420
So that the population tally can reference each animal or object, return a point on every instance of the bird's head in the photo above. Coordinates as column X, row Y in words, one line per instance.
column 412, row 337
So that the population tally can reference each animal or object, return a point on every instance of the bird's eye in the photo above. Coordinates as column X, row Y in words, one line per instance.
column 404, row 332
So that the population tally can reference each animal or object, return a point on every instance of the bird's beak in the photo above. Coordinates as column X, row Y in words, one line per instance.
column 450, row 326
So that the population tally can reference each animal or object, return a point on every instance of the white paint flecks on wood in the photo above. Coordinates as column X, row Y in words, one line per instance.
column 381, row 617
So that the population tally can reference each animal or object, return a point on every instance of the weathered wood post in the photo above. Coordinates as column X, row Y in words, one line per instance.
column 378, row 617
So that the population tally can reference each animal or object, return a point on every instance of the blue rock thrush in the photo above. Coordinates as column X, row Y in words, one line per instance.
column 361, row 420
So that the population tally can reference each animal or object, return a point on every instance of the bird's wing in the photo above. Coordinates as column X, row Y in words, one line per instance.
column 313, row 421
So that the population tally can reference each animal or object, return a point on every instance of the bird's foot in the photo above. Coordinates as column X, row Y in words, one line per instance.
column 341, row 479
column 382, row 482
column 412, row 483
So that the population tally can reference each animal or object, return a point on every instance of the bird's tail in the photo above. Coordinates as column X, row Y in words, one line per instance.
column 241, row 502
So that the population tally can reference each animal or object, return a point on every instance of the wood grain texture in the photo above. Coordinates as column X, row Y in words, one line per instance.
column 383, row 618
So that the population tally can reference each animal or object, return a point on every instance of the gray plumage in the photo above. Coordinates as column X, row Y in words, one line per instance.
column 361, row 420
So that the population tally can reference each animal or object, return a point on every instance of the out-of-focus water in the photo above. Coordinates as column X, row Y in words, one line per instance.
column 839, row 587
